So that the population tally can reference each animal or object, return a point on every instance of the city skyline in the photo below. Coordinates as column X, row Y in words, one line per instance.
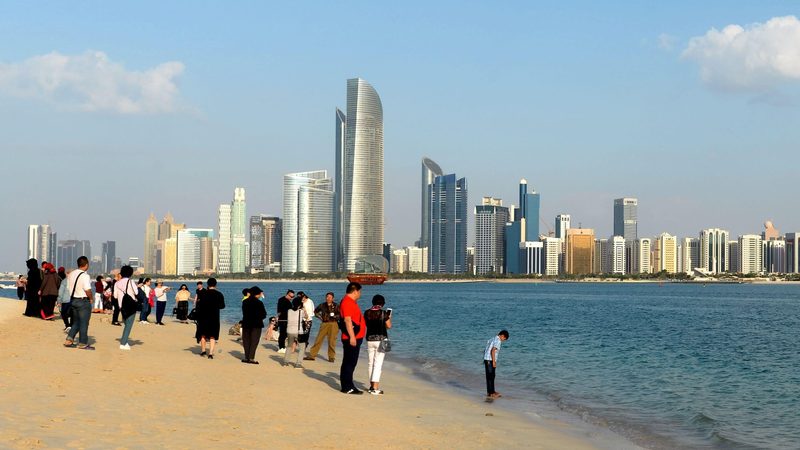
column 650, row 92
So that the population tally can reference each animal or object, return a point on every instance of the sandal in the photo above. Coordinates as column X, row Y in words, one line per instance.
column 86, row 347
column 69, row 343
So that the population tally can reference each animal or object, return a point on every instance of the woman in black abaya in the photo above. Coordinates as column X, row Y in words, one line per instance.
column 33, row 307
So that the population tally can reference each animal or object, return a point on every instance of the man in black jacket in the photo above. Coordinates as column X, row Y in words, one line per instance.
column 284, row 305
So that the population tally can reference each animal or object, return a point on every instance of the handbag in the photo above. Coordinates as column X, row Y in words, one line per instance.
column 129, row 304
column 192, row 314
column 385, row 346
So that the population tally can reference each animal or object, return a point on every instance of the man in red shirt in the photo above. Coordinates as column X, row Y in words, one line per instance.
column 352, row 335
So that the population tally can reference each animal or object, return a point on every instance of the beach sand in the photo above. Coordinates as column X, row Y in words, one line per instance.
column 162, row 394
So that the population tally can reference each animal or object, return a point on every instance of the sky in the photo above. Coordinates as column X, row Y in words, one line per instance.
column 112, row 110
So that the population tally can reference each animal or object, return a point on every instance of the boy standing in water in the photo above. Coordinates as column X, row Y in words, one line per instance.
column 490, row 362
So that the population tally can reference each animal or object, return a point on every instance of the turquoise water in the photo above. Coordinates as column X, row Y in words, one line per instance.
column 678, row 365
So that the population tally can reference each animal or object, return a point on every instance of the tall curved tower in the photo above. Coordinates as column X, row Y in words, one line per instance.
column 362, row 193
column 430, row 170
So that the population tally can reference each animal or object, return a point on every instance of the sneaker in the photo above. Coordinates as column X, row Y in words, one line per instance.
column 85, row 347
column 116, row 324
column 376, row 392
column 353, row 392
column 161, row 323
column 125, row 347
column 308, row 358
column 144, row 322
column 66, row 330
column 281, row 350
column 210, row 356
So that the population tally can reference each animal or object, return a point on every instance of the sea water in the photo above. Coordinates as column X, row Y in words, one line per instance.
column 665, row 366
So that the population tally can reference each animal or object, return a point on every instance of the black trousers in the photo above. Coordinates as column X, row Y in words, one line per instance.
column 282, row 334
column 20, row 292
column 349, row 362
column 115, row 317
column 250, row 337
column 490, row 371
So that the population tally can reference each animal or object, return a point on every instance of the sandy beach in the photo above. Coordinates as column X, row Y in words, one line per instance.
column 162, row 394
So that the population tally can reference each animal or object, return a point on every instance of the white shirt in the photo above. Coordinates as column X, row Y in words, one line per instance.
column 161, row 294
column 308, row 307
column 121, row 286
column 494, row 342
column 84, row 283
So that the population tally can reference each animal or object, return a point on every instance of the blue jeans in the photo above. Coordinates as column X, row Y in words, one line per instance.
column 81, row 313
column 145, row 311
column 126, row 332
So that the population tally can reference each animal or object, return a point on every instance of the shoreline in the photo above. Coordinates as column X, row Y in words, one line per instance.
column 47, row 385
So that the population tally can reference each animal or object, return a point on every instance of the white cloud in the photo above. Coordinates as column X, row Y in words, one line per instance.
column 756, row 58
column 92, row 82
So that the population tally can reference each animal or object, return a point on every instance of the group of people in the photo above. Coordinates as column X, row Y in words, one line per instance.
column 294, row 321
column 295, row 314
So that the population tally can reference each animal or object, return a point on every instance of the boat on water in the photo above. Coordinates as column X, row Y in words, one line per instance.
column 370, row 270
column 367, row 278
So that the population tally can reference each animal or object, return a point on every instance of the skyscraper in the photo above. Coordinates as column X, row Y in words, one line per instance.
column 750, row 254
column 430, row 170
column 580, row 250
column 69, row 251
column 774, row 256
column 190, row 251
column 625, row 218
column 224, row 236
column 529, row 211
column 553, row 256
column 490, row 223
column 362, row 174
column 338, row 192
column 641, row 255
column 315, row 227
column 292, row 184
column 616, row 255
column 34, row 242
column 562, row 225
column 447, row 252
column 150, row 239
column 792, row 252
column 690, row 254
column 714, row 255
column 665, row 253
column 238, row 232
column 109, row 256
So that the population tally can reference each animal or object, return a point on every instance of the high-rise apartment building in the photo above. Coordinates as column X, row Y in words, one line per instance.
column 417, row 259
column 42, row 243
column 150, row 243
column 430, row 170
column 266, row 234
column 792, row 252
column 714, row 256
column 553, row 256
column 300, row 220
column 665, row 253
column 399, row 261
column 690, row 254
column 190, row 257
column 641, row 255
column 361, row 169
column 224, row 239
column 750, row 254
column 734, row 264
column 447, row 252
column 239, row 254
column 490, row 221
column 169, row 264
column 256, row 244
column 580, row 250
column 616, row 255
column 774, row 251
column 600, row 260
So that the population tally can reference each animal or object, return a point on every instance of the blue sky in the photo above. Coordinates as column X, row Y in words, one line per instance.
column 167, row 106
